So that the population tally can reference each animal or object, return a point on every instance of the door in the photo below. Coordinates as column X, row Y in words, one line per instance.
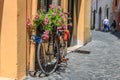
column 71, row 14
column 100, row 11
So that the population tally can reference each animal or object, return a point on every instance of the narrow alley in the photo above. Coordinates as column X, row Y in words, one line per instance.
column 102, row 63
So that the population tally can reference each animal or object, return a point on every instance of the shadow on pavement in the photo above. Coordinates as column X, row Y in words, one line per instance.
column 82, row 51
column 117, row 34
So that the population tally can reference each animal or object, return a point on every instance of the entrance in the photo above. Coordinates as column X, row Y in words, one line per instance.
column 71, row 14
column 100, row 12
column 94, row 12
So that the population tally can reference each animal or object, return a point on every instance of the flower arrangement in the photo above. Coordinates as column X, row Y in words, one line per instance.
column 54, row 17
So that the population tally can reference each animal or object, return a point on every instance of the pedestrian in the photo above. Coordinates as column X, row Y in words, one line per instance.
column 106, row 24
column 113, row 25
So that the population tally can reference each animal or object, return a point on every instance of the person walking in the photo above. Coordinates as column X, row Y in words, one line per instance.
column 106, row 24
column 114, row 25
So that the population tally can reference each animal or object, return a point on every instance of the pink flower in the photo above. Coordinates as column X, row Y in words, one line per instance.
column 28, row 23
column 71, row 24
column 59, row 7
column 46, row 32
column 52, row 6
column 46, row 21
column 45, row 37
column 61, row 14
column 59, row 28
column 28, row 17
column 65, row 27
column 36, row 16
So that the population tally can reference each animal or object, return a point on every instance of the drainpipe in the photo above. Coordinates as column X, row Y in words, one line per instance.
column 32, row 45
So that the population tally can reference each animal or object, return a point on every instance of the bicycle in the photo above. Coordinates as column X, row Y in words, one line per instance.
column 51, row 52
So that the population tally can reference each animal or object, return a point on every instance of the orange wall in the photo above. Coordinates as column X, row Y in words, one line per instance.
column 83, row 34
column 13, row 39
column 9, row 40
column 21, row 38
column 87, row 21
column 1, row 15
column 80, row 30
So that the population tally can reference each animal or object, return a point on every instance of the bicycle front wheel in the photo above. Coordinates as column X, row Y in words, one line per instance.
column 48, row 56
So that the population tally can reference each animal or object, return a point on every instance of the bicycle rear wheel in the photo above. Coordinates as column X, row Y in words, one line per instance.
column 48, row 56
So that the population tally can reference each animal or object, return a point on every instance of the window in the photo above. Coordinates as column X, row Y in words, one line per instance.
column 44, row 4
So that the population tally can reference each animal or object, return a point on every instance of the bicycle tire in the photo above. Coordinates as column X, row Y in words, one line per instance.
column 43, row 65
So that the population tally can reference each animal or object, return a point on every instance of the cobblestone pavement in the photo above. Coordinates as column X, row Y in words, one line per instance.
column 103, row 62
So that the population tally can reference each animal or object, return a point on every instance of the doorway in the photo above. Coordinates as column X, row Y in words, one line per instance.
column 100, row 12
column 94, row 13
column 71, row 13
column 107, row 13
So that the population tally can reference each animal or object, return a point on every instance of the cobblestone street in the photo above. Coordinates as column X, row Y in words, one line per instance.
column 103, row 62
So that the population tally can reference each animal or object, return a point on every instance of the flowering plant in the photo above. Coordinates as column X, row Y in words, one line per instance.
column 54, row 17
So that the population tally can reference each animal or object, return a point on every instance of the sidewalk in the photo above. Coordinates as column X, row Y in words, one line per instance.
column 103, row 62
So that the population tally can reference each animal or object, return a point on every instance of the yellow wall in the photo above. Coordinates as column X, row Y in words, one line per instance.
column 28, row 12
column 75, row 22
column 32, row 46
column 81, row 19
column 84, row 22
column 1, row 14
column 64, row 5
column 87, row 21
column 21, row 38
column 13, row 39
column 9, row 40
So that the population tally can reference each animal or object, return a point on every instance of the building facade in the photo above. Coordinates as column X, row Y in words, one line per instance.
column 116, row 13
column 16, row 50
column 99, row 10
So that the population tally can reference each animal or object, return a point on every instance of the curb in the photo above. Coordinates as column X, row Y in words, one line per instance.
column 72, row 48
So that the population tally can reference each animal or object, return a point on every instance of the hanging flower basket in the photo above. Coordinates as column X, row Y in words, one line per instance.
column 44, row 22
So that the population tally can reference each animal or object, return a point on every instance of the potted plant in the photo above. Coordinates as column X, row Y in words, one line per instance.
column 55, row 17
